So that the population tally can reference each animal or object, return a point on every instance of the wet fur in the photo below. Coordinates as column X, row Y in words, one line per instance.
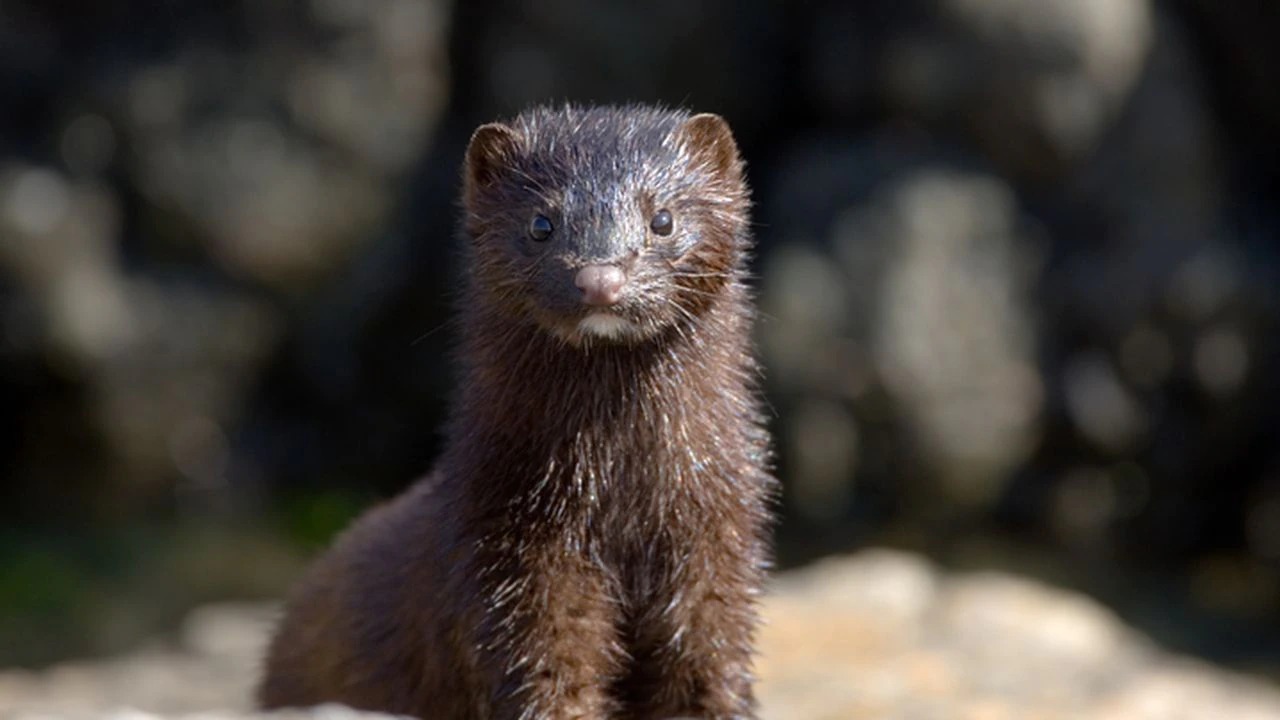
column 593, row 541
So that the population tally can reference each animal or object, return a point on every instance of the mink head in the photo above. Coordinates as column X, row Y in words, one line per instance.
column 605, row 225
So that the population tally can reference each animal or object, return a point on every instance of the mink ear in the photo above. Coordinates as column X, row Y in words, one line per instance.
column 709, row 138
column 492, row 147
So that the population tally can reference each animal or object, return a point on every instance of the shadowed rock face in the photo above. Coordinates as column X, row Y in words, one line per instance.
column 924, row 296
column 197, row 173
column 875, row 636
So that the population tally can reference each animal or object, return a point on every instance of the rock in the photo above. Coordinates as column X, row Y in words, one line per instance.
column 60, row 241
column 284, row 182
column 881, row 635
column 906, row 302
column 1161, row 312
column 1153, row 190
column 323, row 712
column 1245, row 62
column 232, row 631
column 159, row 364
column 212, row 669
column 885, row 635
column 717, row 56
column 185, row 194
column 953, row 337
column 1061, row 70
column 1035, row 84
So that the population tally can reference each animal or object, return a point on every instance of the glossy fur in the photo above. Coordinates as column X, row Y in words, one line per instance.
column 593, row 541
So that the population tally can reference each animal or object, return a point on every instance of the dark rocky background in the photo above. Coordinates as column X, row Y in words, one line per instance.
column 1019, row 266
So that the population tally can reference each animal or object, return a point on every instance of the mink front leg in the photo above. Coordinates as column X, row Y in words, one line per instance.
column 696, row 645
column 550, row 638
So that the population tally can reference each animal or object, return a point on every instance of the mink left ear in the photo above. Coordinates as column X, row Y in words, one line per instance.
column 492, row 146
column 709, row 138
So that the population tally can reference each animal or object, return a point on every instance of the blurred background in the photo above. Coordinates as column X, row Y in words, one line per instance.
column 1019, row 273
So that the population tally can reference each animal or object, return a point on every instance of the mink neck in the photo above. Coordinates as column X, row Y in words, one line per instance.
column 534, row 412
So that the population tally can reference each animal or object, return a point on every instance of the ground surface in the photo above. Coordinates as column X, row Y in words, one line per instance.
column 877, row 635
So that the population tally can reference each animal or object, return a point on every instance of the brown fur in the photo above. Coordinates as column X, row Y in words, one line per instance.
column 593, row 540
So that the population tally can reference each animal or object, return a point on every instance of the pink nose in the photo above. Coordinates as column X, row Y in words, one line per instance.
column 601, row 284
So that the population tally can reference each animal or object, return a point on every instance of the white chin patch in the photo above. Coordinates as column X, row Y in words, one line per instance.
column 606, row 325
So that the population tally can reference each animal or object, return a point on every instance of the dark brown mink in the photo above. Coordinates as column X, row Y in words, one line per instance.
column 593, row 540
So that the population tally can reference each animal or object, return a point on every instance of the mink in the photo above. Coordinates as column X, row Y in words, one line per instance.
column 594, row 538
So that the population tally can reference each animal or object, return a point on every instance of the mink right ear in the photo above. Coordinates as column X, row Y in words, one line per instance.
column 708, row 136
column 491, row 148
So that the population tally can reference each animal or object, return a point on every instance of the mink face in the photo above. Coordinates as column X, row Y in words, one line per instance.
column 604, row 225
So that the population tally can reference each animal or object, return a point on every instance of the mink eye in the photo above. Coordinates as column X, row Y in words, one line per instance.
column 662, row 223
column 540, row 228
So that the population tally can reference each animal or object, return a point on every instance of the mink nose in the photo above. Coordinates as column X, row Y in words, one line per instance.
column 600, row 284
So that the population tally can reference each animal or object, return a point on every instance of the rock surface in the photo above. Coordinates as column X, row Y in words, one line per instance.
column 881, row 634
